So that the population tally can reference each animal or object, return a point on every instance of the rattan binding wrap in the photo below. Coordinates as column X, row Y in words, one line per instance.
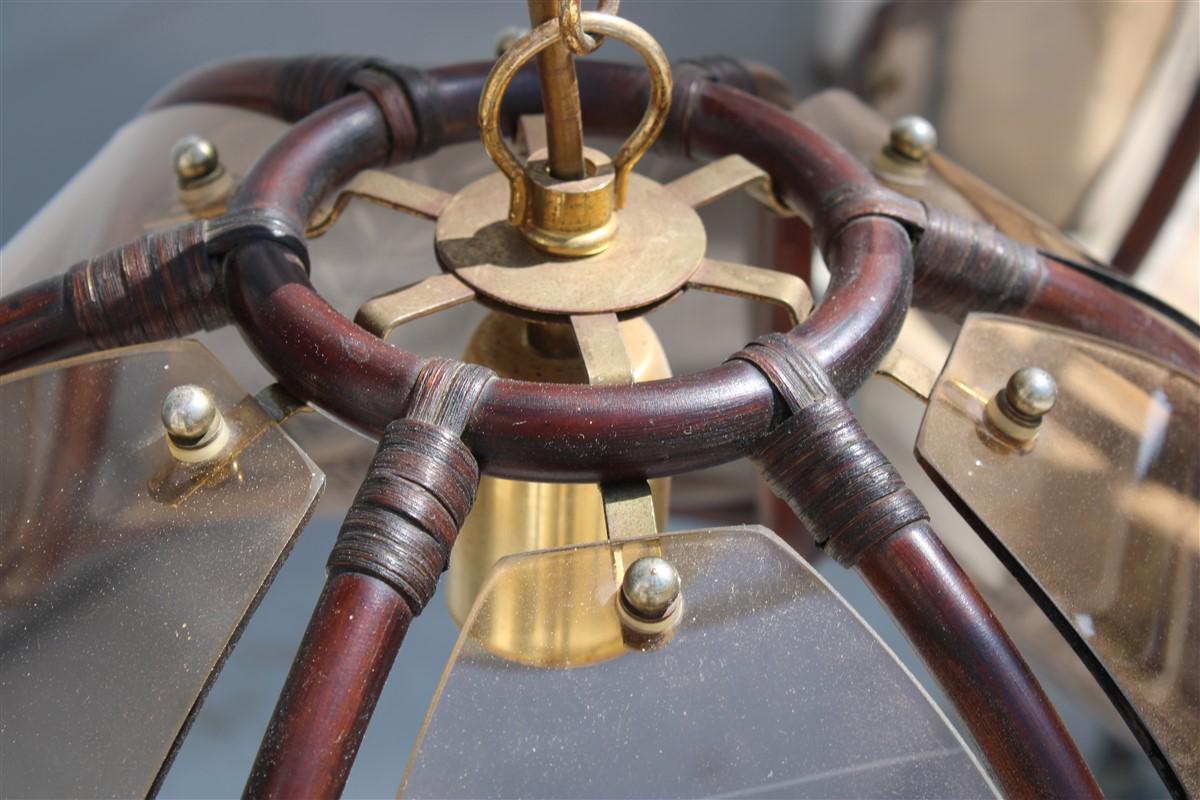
column 820, row 461
column 162, row 286
column 960, row 266
column 419, row 488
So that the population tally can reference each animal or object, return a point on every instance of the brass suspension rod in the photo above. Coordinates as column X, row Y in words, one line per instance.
column 560, row 98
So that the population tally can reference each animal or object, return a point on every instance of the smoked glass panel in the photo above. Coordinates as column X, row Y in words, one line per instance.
column 1099, row 517
column 770, row 686
column 125, row 575
column 129, row 188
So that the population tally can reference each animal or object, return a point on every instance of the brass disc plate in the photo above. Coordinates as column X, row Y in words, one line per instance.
column 659, row 244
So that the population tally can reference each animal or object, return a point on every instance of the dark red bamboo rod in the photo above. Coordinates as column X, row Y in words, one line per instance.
column 38, row 324
column 393, row 546
column 1073, row 300
column 248, row 83
column 365, row 380
column 977, row 665
column 1066, row 298
column 334, row 684
column 320, row 152
column 161, row 286
column 1164, row 191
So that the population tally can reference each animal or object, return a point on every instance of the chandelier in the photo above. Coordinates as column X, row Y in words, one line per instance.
column 149, row 499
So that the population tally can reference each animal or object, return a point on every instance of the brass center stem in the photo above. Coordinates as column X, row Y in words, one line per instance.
column 560, row 99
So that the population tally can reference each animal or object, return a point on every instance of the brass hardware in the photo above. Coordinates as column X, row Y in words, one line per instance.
column 591, row 198
column 650, row 601
column 661, row 243
column 570, row 217
column 204, row 184
column 574, row 36
column 384, row 189
column 279, row 404
column 195, row 159
column 195, row 429
column 755, row 283
column 650, row 587
column 723, row 177
column 1017, row 410
column 382, row 314
column 629, row 509
column 908, row 373
column 190, row 415
column 518, row 516
column 912, row 138
column 659, row 252
column 904, row 160
column 560, row 98
column 602, row 349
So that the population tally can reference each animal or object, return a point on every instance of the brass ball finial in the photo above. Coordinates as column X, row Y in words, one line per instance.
column 650, row 588
column 190, row 415
column 913, row 138
column 1031, row 393
column 1018, row 410
column 194, row 159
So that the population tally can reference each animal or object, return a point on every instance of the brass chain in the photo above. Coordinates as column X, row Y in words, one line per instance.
column 570, row 24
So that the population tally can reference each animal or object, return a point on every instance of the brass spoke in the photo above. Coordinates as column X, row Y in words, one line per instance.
column 723, row 177
column 381, row 315
column 755, row 283
column 628, row 506
column 908, row 373
column 385, row 189
column 602, row 348
column 628, row 509
column 279, row 404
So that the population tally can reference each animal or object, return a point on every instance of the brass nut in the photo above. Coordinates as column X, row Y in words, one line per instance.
column 570, row 217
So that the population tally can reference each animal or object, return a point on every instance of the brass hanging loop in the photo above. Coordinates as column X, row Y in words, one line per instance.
column 572, row 218
column 577, row 40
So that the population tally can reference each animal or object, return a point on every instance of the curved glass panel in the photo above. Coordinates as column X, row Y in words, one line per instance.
column 126, row 575
column 770, row 686
column 129, row 188
column 1099, row 516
